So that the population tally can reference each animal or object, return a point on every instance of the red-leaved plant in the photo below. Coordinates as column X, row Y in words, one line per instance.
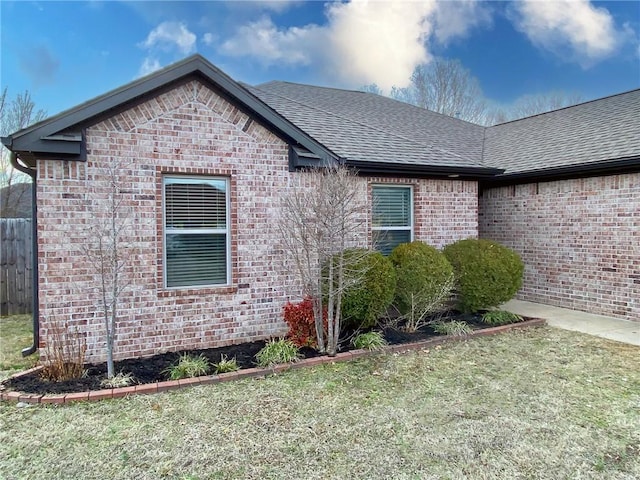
column 302, row 328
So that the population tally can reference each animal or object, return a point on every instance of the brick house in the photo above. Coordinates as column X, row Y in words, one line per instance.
column 203, row 161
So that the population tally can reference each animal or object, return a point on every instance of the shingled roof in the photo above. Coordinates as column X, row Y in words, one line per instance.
column 376, row 134
column 364, row 128
column 600, row 134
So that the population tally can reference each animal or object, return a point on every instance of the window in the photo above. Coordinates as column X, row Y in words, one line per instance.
column 392, row 217
column 196, row 231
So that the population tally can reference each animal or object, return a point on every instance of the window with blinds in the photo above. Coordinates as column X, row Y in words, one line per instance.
column 392, row 217
column 196, row 231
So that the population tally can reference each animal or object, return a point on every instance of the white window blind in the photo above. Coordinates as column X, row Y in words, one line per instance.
column 196, row 231
column 392, row 217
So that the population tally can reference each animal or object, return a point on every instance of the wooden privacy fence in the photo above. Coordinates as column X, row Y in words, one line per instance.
column 15, row 266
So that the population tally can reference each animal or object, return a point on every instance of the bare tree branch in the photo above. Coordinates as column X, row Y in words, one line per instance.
column 320, row 220
column 15, row 115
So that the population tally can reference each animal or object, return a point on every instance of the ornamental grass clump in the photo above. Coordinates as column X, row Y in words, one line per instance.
column 64, row 354
column 369, row 341
column 500, row 317
column 487, row 274
column 454, row 328
column 188, row 366
column 225, row 365
column 119, row 380
column 277, row 351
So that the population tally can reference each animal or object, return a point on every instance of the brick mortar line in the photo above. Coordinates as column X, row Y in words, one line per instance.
column 157, row 387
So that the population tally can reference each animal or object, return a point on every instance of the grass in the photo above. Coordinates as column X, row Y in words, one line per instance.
column 538, row 403
column 15, row 334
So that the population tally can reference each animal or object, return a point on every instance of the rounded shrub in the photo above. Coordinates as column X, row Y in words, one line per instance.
column 370, row 288
column 423, row 277
column 487, row 273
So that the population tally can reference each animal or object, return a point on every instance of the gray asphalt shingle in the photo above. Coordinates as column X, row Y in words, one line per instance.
column 597, row 131
column 366, row 127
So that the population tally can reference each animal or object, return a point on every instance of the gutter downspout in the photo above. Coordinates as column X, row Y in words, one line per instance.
column 13, row 158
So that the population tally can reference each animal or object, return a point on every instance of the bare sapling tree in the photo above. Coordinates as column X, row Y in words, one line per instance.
column 15, row 115
column 108, row 247
column 320, row 221
column 423, row 304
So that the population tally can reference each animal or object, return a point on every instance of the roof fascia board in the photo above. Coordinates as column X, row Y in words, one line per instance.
column 424, row 170
column 618, row 166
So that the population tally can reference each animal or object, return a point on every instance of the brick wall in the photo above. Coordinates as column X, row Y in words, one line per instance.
column 579, row 239
column 188, row 130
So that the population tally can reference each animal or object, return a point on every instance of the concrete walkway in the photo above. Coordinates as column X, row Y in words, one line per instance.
column 611, row 328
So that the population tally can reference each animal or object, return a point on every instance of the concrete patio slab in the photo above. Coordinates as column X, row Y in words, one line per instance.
column 610, row 328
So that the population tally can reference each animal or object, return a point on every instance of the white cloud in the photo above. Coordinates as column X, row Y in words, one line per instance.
column 149, row 65
column 171, row 35
column 574, row 29
column 363, row 41
column 262, row 39
column 454, row 19
column 208, row 39
column 379, row 42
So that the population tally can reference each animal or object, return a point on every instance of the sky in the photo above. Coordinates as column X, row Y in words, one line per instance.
column 65, row 53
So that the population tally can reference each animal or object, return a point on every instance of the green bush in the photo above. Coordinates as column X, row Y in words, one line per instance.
column 374, row 284
column 423, row 279
column 487, row 273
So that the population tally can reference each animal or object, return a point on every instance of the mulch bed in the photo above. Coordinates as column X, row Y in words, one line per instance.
column 154, row 369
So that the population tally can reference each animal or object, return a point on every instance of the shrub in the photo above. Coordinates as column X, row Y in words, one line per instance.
column 424, row 281
column 455, row 328
column 189, row 366
column 487, row 273
column 225, row 365
column 369, row 341
column 302, row 326
column 372, row 284
column 277, row 351
column 500, row 317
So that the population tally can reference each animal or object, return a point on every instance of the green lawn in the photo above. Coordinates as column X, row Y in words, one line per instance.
column 535, row 404
column 15, row 334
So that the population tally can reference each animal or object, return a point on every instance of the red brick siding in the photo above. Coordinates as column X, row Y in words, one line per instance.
column 443, row 210
column 579, row 239
column 190, row 130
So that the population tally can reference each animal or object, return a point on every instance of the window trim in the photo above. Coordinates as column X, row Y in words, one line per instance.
column 227, row 231
column 411, row 225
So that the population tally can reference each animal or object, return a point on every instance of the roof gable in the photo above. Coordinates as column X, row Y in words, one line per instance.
column 61, row 136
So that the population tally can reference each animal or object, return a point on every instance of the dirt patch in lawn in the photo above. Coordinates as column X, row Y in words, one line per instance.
column 155, row 368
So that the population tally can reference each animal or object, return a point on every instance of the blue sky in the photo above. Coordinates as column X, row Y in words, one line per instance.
column 65, row 53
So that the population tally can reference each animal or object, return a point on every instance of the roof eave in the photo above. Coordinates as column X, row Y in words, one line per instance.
column 424, row 171
column 610, row 167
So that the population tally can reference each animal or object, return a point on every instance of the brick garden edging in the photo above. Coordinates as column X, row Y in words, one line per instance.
column 157, row 387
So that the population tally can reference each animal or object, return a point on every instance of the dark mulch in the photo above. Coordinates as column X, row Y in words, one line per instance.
column 154, row 369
